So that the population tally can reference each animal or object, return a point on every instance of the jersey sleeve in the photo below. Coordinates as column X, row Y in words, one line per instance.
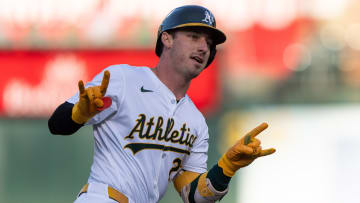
column 197, row 160
column 114, row 91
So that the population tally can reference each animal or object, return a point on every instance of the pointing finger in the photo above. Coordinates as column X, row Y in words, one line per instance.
column 81, row 87
column 105, row 82
column 258, row 130
column 254, row 133
column 266, row 152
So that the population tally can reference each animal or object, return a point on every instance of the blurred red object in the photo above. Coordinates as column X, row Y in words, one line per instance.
column 260, row 50
column 33, row 82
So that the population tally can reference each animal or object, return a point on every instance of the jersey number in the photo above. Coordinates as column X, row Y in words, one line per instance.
column 176, row 165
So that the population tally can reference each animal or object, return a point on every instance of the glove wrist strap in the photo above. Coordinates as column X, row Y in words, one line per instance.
column 76, row 115
column 228, row 167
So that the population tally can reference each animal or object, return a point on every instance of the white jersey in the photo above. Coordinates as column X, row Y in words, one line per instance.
column 145, row 137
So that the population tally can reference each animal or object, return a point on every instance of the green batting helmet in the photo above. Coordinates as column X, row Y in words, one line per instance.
column 191, row 16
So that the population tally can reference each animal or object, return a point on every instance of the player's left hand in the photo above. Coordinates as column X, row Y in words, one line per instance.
column 91, row 100
column 244, row 152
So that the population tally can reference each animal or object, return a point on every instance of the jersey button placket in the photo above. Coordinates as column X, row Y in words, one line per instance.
column 172, row 106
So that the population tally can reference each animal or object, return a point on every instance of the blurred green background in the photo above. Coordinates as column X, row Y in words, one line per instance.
column 36, row 166
column 39, row 167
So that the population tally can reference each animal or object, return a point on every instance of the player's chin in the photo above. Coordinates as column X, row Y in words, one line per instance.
column 196, row 71
column 199, row 66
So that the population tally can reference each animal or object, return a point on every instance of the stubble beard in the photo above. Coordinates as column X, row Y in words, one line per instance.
column 186, row 67
column 191, row 71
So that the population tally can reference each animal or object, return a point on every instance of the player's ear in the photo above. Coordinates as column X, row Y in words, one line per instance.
column 167, row 39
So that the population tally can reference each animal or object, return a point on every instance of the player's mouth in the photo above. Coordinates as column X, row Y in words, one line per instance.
column 197, row 59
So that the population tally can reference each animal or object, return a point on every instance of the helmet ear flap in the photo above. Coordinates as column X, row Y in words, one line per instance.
column 159, row 48
column 212, row 56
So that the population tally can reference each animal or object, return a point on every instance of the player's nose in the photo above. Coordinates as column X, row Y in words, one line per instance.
column 203, row 44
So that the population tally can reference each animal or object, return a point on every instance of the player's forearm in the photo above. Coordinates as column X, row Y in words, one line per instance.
column 213, row 185
column 207, row 187
column 60, row 122
column 218, row 179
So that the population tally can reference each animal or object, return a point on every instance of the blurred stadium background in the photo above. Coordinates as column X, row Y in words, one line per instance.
column 292, row 63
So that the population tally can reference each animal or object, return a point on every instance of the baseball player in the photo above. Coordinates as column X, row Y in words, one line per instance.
column 147, row 131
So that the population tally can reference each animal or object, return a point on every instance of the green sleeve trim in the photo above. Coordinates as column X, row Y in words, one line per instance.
column 193, row 187
column 218, row 179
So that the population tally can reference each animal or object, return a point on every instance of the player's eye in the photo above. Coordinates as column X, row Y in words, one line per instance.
column 194, row 36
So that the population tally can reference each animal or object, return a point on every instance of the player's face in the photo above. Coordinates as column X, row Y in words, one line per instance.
column 190, row 51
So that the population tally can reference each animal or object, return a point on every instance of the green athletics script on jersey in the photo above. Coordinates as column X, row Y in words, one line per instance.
column 181, row 136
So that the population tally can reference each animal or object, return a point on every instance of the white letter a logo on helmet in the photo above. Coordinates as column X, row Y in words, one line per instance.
column 209, row 19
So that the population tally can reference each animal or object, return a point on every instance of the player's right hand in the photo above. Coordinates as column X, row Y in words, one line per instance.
column 90, row 100
column 244, row 152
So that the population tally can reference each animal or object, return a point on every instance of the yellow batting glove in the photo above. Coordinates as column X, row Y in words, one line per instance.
column 244, row 152
column 91, row 100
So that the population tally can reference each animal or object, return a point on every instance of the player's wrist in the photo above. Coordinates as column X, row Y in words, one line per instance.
column 77, row 116
column 227, row 166
column 218, row 179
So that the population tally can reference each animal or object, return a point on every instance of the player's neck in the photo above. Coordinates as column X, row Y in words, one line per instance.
column 175, row 82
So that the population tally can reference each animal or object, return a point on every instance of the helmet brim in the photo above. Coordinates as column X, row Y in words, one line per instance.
column 218, row 36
